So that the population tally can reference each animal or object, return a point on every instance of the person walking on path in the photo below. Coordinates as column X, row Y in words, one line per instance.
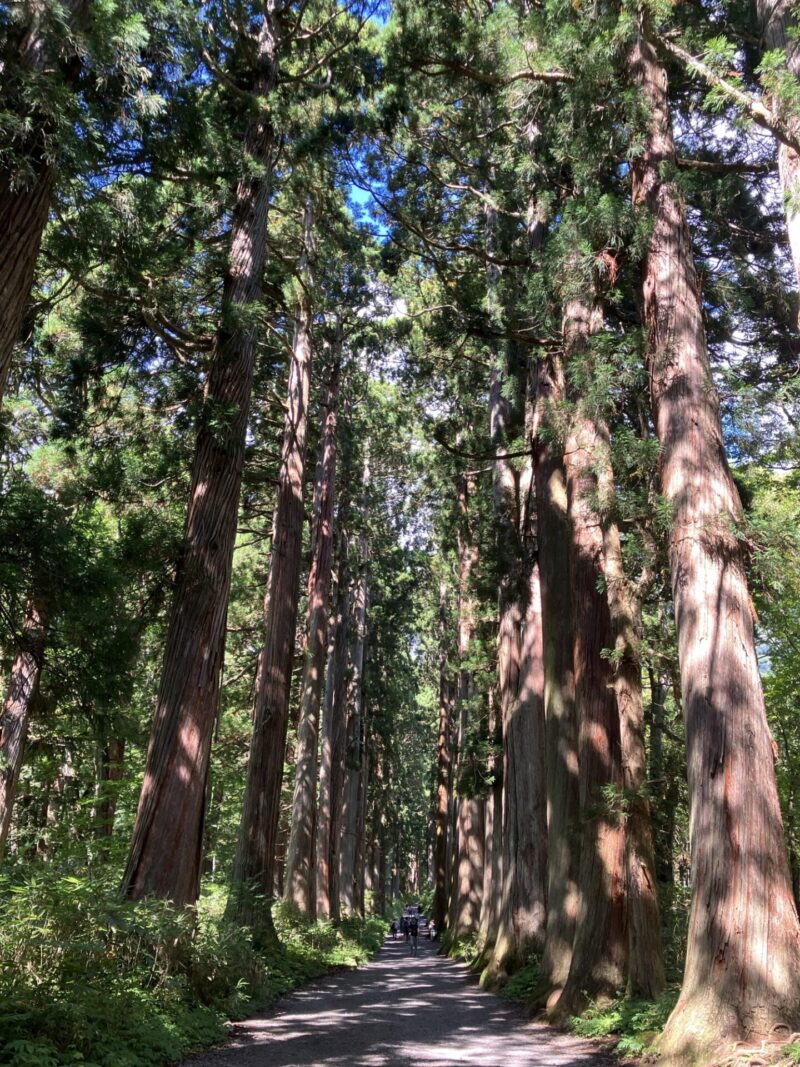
column 413, row 930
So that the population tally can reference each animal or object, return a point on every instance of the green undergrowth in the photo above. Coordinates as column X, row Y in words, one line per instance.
column 465, row 950
column 524, row 983
column 791, row 1052
column 86, row 978
column 635, row 1024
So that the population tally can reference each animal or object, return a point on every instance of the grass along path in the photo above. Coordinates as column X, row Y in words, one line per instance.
column 399, row 1011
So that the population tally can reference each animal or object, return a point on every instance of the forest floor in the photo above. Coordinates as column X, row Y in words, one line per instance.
column 399, row 1011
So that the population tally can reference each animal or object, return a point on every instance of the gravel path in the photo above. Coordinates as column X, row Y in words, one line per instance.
column 399, row 1011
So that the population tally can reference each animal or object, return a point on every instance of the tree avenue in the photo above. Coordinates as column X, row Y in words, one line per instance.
column 399, row 504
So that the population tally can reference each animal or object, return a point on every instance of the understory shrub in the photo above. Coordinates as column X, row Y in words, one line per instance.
column 635, row 1023
column 466, row 949
column 523, row 984
column 87, row 978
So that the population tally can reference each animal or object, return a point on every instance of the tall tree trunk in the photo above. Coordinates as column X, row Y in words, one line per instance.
column 25, row 197
column 443, row 767
column 379, row 897
column 597, row 511
column 23, row 684
column 599, row 951
column 300, row 861
column 396, row 873
column 165, row 853
column 466, row 891
column 646, row 977
column 778, row 26
column 494, row 912
column 465, row 905
column 352, row 774
column 743, row 950
column 664, row 821
column 522, row 891
column 559, row 685
column 333, row 742
column 254, row 865
column 361, row 825
column 493, row 834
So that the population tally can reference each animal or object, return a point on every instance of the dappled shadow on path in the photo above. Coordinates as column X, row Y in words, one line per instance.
column 399, row 1011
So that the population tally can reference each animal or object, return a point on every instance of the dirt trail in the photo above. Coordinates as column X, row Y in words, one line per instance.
column 399, row 1011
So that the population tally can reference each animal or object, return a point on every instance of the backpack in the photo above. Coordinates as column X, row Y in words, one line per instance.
column 414, row 927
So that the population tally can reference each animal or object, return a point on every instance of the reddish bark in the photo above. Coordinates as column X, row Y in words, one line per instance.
column 743, row 951
column 466, row 891
column 23, row 684
column 443, row 768
column 525, row 810
column 25, row 196
column 333, row 745
column 165, row 853
column 493, row 835
column 521, row 891
column 513, row 924
column 351, row 792
column 646, row 977
column 495, row 920
column 599, row 950
column 559, row 684
column 361, row 824
column 254, row 865
column 300, row 861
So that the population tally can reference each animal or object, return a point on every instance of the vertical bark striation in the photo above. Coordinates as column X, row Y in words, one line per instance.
column 300, row 862
column 526, row 839
column 165, row 854
column 333, row 744
column 359, row 896
column 353, row 753
column 743, row 952
column 22, row 687
column 443, row 769
column 254, row 865
column 559, row 685
column 514, row 924
column 466, row 891
column 646, row 977
column 599, row 951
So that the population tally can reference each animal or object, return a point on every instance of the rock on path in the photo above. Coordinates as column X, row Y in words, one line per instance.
column 399, row 1011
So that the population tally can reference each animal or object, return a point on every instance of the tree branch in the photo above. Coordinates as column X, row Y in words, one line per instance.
column 751, row 106
column 439, row 67
column 713, row 166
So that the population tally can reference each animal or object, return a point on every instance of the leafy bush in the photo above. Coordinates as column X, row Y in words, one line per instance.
column 523, row 984
column 88, row 978
column 636, row 1023
column 466, row 949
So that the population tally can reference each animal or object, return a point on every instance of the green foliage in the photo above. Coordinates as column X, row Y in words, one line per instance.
column 466, row 949
column 635, row 1023
column 522, row 985
column 88, row 978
